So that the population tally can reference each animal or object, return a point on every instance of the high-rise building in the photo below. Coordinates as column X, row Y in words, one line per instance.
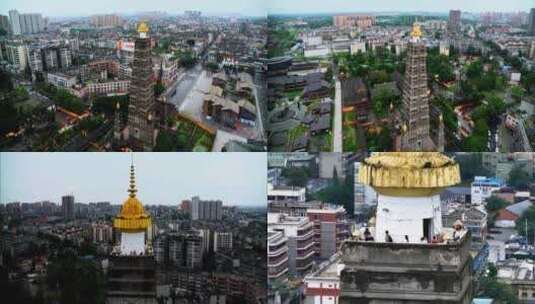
column 353, row 20
column 330, row 229
column 277, row 256
column 50, row 58
column 141, row 120
column 16, row 55
column 222, row 241
column 106, row 21
column 133, row 255
column 67, row 205
column 35, row 59
column 192, row 14
column 186, row 249
column 206, row 210
column 531, row 22
column 4, row 23
column 25, row 23
column 101, row 233
column 454, row 22
column 415, row 109
column 31, row 23
column 300, row 235
column 408, row 256
column 15, row 22
column 65, row 57
column 330, row 164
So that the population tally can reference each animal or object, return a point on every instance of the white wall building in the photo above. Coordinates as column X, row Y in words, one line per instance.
column 280, row 193
column 323, row 286
column 359, row 46
column 61, row 80
column 482, row 188
column 321, row 51
column 110, row 87
column 300, row 234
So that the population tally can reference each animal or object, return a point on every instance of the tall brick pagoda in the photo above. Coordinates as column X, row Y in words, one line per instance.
column 415, row 114
column 141, row 112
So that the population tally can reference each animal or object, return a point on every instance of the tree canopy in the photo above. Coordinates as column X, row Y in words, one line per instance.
column 519, row 178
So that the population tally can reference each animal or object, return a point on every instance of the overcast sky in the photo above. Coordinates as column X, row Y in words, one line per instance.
column 161, row 178
column 62, row 8
column 331, row 6
column 84, row 8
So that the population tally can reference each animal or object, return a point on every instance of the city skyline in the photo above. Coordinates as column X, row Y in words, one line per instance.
column 254, row 8
column 162, row 179
column 348, row 6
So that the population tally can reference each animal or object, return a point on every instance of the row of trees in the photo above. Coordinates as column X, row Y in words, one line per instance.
column 478, row 81
column 486, row 118
column 62, row 98
column 439, row 65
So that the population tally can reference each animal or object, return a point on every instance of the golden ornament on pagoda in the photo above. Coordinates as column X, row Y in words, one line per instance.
column 416, row 30
column 132, row 216
column 409, row 173
column 142, row 27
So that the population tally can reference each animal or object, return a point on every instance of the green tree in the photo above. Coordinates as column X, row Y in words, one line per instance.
column 378, row 76
column 164, row 142
column 471, row 165
column 517, row 93
column 381, row 141
column 381, row 101
column 9, row 117
column 159, row 88
column 495, row 204
column 76, row 281
column 297, row 177
column 337, row 193
column 490, row 287
column 519, row 178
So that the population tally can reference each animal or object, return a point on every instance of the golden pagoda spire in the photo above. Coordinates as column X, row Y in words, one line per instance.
column 416, row 30
column 143, row 27
column 132, row 215
column 132, row 189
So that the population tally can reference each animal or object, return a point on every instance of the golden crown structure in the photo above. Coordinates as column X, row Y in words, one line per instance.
column 132, row 216
column 143, row 27
column 409, row 173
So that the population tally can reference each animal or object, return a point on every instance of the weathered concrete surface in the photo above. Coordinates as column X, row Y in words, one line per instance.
column 405, row 273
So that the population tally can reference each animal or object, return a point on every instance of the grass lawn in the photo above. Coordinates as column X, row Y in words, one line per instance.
column 349, row 139
column 190, row 136
column 349, row 116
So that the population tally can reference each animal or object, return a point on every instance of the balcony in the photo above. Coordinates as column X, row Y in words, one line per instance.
column 450, row 255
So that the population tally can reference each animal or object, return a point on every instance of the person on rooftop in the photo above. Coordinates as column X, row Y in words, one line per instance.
column 368, row 235
column 388, row 238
